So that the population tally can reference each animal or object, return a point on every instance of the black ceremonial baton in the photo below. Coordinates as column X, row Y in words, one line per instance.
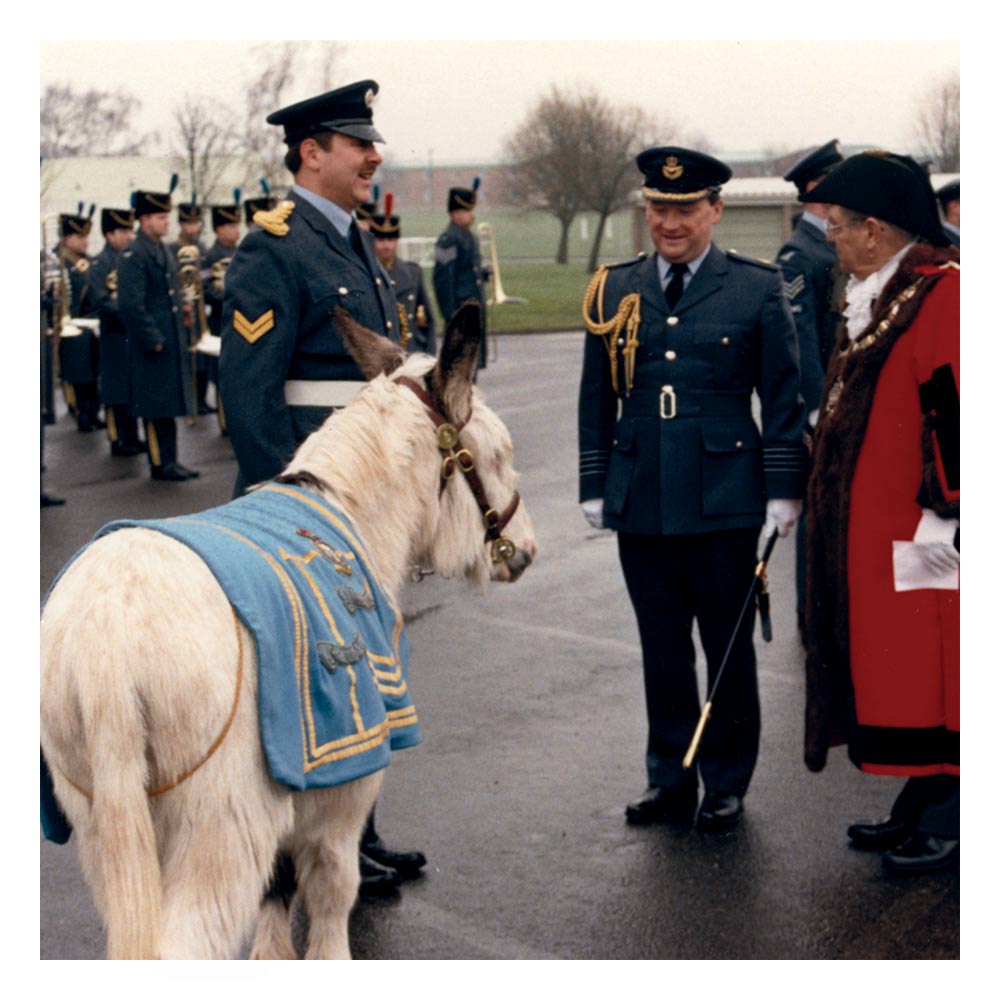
column 758, row 589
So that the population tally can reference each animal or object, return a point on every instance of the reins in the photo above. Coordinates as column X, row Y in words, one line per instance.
column 448, row 439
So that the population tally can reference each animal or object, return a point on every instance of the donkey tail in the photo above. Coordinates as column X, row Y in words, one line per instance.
column 123, row 825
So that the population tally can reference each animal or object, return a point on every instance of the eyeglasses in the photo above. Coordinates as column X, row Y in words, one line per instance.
column 841, row 225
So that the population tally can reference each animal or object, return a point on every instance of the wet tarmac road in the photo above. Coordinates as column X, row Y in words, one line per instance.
column 530, row 700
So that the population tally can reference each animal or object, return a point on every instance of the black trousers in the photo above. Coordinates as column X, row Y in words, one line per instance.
column 122, row 428
column 931, row 804
column 161, row 438
column 674, row 581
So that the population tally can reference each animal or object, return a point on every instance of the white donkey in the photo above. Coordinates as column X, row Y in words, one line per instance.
column 149, row 682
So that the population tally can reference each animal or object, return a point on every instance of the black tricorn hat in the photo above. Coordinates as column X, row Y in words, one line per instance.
column 815, row 164
column 888, row 186
column 346, row 109
column 949, row 192
column 77, row 224
column 116, row 218
column 463, row 198
column 152, row 202
column 680, row 175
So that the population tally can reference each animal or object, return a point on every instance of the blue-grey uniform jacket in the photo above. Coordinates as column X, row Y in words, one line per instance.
column 149, row 304
column 277, row 325
column 685, row 454
column 807, row 262
column 411, row 293
column 113, row 340
column 458, row 275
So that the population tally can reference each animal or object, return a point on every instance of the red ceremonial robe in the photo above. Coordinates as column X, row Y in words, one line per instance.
column 882, row 664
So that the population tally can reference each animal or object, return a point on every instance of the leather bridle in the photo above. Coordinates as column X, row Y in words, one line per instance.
column 456, row 456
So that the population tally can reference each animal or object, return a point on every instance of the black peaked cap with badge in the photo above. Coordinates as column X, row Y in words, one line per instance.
column 888, row 186
column 347, row 110
column 671, row 173
column 815, row 164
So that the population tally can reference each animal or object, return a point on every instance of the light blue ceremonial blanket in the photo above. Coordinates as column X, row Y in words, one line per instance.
column 331, row 651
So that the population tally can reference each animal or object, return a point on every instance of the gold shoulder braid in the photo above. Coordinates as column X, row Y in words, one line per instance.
column 404, row 327
column 274, row 221
column 627, row 318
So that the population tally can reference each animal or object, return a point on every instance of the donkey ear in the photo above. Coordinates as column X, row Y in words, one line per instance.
column 454, row 373
column 374, row 354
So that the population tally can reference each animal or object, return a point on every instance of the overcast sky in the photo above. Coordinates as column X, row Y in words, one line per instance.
column 457, row 100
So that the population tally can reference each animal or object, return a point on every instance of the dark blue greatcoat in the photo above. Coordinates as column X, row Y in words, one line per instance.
column 807, row 265
column 458, row 275
column 710, row 468
column 411, row 293
column 277, row 325
column 113, row 340
column 149, row 305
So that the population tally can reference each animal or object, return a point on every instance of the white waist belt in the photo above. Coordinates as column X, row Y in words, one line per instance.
column 302, row 392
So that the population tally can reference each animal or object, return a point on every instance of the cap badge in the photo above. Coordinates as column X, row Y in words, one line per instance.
column 369, row 97
column 672, row 170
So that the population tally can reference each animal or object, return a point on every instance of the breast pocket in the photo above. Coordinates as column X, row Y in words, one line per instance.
column 620, row 468
column 728, row 349
column 732, row 473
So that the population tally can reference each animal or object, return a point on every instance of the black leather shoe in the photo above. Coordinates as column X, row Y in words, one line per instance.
column 882, row 835
column 190, row 473
column 51, row 501
column 659, row 803
column 377, row 882
column 719, row 811
column 406, row 863
column 922, row 852
column 169, row 472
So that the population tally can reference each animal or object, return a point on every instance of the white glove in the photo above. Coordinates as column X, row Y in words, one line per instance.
column 593, row 511
column 935, row 541
column 781, row 514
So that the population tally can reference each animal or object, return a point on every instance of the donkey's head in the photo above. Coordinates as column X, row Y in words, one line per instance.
column 475, row 524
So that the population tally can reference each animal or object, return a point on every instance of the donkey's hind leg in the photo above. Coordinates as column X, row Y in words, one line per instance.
column 328, row 827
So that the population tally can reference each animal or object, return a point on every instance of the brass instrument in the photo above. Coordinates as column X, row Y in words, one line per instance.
column 193, row 291
column 486, row 242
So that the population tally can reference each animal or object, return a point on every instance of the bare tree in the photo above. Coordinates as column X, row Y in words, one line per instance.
column 263, row 144
column 938, row 124
column 547, row 162
column 612, row 136
column 207, row 139
column 89, row 123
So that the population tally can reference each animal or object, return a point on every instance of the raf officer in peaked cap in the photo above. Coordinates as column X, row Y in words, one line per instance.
column 458, row 273
column 407, row 282
column 118, row 227
column 672, row 459
column 812, row 285
column 150, row 306
column 283, row 369
column 950, row 202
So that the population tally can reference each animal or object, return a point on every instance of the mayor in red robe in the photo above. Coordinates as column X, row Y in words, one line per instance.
column 882, row 614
